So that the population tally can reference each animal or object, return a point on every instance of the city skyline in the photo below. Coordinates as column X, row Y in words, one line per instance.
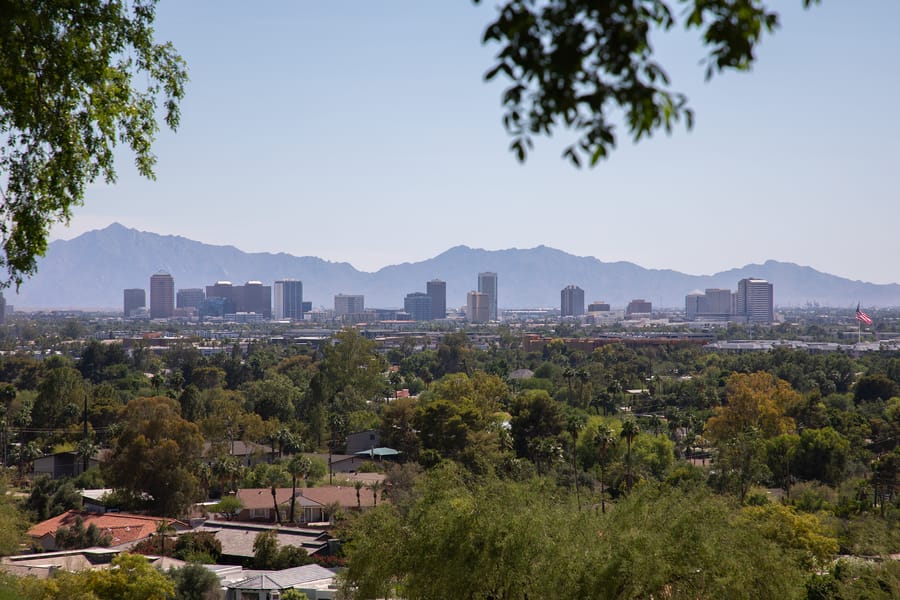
column 790, row 132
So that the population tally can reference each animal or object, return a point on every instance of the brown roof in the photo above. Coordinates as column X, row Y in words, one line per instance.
column 262, row 497
column 123, row 527
column 342, row 494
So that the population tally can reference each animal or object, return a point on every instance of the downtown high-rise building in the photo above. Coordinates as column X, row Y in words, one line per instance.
column 288, row 300
column 713, row 304
column 189, row 298
column 349, row 304
column 162, row 296
column 437, row 289
column 755, row 301
column 571, row 301
column 252, row 297
column 487, row 284
column 478, row 307
column 133, row 299
column 419, row 306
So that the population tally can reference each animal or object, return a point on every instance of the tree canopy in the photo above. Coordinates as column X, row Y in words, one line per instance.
column 76, row 79
column 578, row 64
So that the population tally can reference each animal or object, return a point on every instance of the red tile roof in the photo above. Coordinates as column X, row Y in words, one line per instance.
column 123, row 527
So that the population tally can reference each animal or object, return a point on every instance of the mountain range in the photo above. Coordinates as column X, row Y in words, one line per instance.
column 91, row 270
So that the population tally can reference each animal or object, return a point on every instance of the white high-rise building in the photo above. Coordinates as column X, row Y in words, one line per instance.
column 288, row 300
column 755, row 300
column 349, row 304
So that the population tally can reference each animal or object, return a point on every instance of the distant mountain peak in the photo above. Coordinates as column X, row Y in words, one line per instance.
column 119, row 257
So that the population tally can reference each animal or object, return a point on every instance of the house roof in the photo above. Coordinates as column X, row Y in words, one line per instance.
column 241, row 448
column 342, row 494
column 262, row 497
column 237, row 538
column 307, row 575
column 123, row 527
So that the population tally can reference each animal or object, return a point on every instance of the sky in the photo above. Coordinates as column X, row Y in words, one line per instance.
column 364, row 132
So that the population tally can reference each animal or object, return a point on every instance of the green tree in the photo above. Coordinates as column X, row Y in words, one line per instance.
column 267, row 554
column 630, row 430
column 157, row 453
column 195, row 582
column 76, row 79
column 60, row 398
column 12, row 522
column 79, row 536
column 131, row 577
column 492, row 538
column 298, row 466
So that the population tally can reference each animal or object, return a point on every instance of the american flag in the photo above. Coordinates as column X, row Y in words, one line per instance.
column 863, row 317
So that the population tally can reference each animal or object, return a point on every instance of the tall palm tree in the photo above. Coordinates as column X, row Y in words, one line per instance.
column 630, row 430
column 604, row 440
column 375, row 486
column 298, row 466
column 358, row 485
column 163, row 528
column 569, row 374
column 275, row 477
column 575, row 422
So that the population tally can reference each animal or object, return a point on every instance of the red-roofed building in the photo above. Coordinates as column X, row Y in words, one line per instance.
column 125, row 529
column 310, row 506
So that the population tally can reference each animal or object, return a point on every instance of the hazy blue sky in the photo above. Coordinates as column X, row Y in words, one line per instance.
column 363, row 132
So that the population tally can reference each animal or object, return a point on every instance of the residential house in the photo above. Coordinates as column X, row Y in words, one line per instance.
column 311, row 505
column 362, row 440
column 66, row 464
column 314, row 581
column 237, row 539
column 248, row 453
column 125, row 529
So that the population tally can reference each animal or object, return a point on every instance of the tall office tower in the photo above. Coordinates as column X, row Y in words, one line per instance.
column 189, row 298
column 478, row 307
column 306, row 306
column 162, row 296
column 437, row 289
column 638, row 307
column 571, row 301
column 419, row 306
column 755, row 300
column 288, row 300
column 349, row 304
column 3, row 314
column 693, row 305
column 134, row 299
column 487, row 284
column 718, row 302
column 221, row 289
column 255, row 298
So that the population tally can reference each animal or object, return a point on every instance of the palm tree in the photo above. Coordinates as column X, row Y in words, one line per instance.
column 163, row 528
column 298, row 466
column 375, row 486
column 358, row 485
column 630, row 430
column 575, row 422
column 583, row 378
column 569, row 374
column 275, row 476
column 604, row 440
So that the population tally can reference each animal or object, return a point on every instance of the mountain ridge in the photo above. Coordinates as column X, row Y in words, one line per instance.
column 118, row 257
